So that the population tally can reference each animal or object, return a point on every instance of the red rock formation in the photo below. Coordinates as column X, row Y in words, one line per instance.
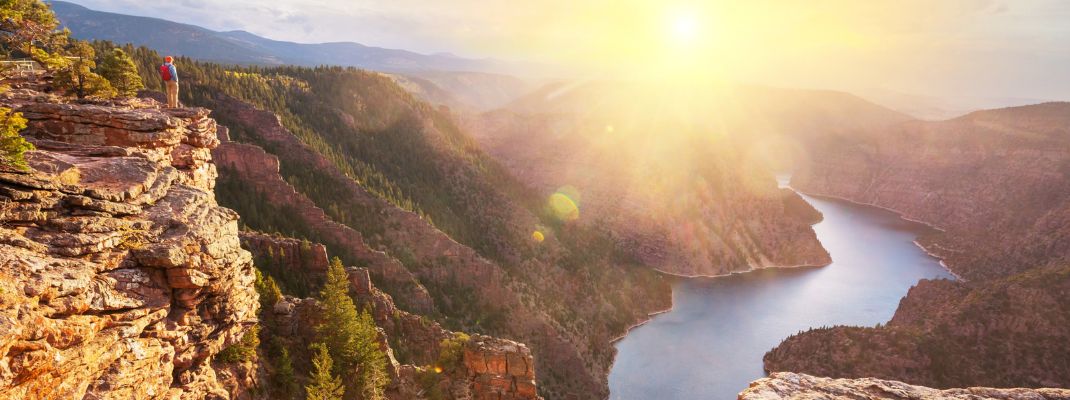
column 786, row 385
column 499, row 369
column 120, row 276
column 291, row 254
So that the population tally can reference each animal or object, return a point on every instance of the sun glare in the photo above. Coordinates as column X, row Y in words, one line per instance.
column 685, row 28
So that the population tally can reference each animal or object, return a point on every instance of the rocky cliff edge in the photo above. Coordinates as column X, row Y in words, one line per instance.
column 787, row 385
column 120, row 276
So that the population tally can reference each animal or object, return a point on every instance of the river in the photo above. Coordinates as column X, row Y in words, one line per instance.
column 710, row 345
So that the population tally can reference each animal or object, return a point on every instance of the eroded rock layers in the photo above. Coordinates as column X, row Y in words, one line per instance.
column 786, row 385
column 120, row 276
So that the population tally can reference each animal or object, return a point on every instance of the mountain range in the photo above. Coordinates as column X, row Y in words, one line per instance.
column 241, row 47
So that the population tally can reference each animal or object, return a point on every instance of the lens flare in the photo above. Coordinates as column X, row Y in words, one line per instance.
column 564, row 206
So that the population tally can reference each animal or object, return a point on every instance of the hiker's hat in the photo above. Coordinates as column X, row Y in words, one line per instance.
column 169, row 59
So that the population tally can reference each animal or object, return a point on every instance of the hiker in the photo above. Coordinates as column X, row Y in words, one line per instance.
column 170, row 80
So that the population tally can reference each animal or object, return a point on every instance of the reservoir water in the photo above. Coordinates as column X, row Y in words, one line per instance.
column 710, row 346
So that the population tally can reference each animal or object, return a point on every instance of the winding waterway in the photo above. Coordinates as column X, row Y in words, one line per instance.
column 710, row 346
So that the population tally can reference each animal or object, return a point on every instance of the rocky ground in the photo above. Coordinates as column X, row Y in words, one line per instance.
column 787, row 385
column 121, row 277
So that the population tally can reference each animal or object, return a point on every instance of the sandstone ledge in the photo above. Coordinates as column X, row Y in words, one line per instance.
column 788, row 385
column 120, row 276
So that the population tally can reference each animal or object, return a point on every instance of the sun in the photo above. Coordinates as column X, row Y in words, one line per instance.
column 684, row 28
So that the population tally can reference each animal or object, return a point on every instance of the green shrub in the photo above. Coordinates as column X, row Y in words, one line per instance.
column 244, row 350
column 451, row 352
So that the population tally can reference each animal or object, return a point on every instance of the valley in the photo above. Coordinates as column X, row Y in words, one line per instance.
column 710, row 344
column 348, row 222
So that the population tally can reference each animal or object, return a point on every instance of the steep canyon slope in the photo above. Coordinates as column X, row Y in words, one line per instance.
column 678, row 186
column 347, row 158
column 997, row 184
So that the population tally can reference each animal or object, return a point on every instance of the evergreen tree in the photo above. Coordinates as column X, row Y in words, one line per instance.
column 371, row 361
column 119, row 69
column 339, row 328
column 78, row 76
column 268, row 290
column 28, row 29
column 12, row 146
column 323, row 384
column 283, row 378
column 351, row 336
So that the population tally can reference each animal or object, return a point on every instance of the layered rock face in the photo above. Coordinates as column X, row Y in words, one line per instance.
column 786, row 385
column 121, row 277
column 499, row 369
column 289, row 254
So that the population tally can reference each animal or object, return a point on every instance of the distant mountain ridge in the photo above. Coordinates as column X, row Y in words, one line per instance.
column 241, row 47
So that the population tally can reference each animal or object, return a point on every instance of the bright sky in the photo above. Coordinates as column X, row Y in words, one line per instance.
column 1005, row 48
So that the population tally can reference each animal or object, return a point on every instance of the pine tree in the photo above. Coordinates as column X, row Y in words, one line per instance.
column 371, row 361
column 323, row 384
column 283, row 378
column 28, row 28
column 351, row 336
column 339, row 328
column 12, row 146
column 78, row 76
column 119, row 69
column 267, row 289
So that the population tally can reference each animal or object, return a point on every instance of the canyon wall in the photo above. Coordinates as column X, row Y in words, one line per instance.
column 997, row 185
column 1009, row 332
column 566, row 317
column 684, row 202
column 484, row 367
column 121, row 277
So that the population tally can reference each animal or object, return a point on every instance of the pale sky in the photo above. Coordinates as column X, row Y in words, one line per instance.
column 994, row 48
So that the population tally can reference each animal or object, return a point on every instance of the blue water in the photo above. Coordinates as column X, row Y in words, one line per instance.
column 710, row 346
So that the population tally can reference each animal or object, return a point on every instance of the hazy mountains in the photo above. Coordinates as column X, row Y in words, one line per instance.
column 240, row 47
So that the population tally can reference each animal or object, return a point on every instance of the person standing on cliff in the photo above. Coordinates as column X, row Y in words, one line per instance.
column 170, row 81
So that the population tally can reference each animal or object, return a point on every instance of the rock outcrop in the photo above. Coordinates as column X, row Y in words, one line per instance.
column 286, row 253
column 120, row 276
column 786, row 385
column 499, row 369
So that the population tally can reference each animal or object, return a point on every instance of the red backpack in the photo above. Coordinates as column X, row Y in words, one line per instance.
column 165, row 72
